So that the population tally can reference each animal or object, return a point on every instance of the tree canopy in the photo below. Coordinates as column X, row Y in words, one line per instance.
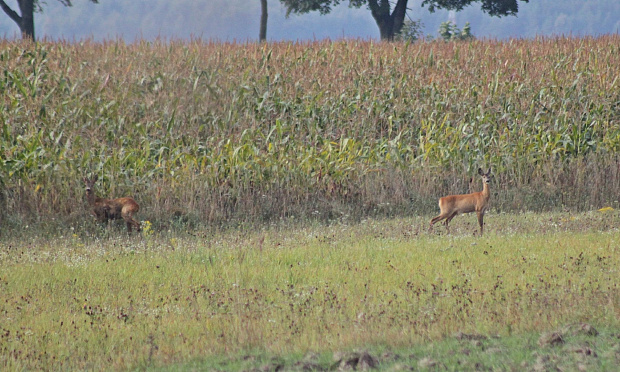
column 390, row 18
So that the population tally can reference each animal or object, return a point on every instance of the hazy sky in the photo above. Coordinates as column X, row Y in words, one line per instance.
column 207, row 19
column 229, row 20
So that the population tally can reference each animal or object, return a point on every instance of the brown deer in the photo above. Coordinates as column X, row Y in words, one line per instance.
column 111, row 209
column 478, row 202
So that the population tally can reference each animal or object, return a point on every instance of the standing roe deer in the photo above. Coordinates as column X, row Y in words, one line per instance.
column 452, row 205
column 111, row 209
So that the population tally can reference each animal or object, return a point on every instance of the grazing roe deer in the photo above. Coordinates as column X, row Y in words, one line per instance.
column 111, row 209
column 478, row 202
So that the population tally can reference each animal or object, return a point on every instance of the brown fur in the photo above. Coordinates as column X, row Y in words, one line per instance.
column 112, row 209
column 478, row 202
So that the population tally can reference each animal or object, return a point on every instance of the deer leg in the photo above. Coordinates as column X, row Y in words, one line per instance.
column 451, row 217
column 131, row 223
column 481, row 221
column 436, row 219
column 448, row 220
column 134, row 223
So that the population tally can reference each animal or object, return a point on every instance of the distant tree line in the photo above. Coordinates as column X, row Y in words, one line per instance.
column 390, row 19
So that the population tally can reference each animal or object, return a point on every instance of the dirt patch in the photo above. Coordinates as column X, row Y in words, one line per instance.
column 580, row 329
column 569, row 348
column 469, row 337
column 545, row 363
column 583, row 350
column 551, row 339
column 355, row 361
column 428, row 363
column 558, row 337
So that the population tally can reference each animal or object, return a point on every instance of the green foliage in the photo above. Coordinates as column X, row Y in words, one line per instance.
column 323, row 6
column 496, row 8
column 411, row 31
column 449, row 31
column 230, row 134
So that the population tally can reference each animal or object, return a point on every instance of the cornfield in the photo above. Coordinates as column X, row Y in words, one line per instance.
column 233, row 133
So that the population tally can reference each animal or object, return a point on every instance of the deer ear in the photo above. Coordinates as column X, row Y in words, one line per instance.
column 489, row 172
column 480, row 172
column 95, row 178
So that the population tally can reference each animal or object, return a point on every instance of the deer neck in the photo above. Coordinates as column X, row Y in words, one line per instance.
column 485, row 190
column 92, row 199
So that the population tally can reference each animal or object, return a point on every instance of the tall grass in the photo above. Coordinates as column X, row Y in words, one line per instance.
column 226, row 133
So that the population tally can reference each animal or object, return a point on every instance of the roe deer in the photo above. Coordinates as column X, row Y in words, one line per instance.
column 111, row 209
column 452, row 205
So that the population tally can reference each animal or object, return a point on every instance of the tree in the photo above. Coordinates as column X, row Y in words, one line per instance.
column 262, row 34
column 27, row 8
column 449, row 31
column 411, row 31
column 390, row 20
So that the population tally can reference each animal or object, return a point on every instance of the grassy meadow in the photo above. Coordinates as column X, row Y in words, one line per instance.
column 285, row 193
column 236, row 300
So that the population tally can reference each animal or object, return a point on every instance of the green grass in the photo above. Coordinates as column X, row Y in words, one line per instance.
column 82, row 299
column 507, row 353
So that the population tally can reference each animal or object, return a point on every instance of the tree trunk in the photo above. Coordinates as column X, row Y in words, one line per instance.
column 262, row 35
column 398, row 17
column 26, row 20
column 389, row 24
column 26, row 26
column 386, row 29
